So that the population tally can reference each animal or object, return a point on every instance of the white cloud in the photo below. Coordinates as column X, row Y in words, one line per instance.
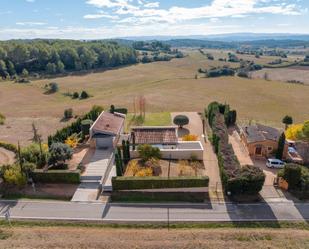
column 97, row 16
column 143, row 13
column 31, row 23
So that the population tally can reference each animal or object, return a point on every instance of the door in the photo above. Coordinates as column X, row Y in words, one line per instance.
column 104, row 142
column 258, row 151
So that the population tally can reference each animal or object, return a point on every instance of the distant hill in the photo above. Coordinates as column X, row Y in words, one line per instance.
column 232, row 37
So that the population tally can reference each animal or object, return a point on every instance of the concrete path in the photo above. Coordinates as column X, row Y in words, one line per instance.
column 91, row 179
column 195, row 127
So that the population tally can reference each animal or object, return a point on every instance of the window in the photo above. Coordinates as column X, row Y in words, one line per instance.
column 269, row 148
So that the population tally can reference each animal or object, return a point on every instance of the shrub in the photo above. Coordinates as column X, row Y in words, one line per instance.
column 147, row 152
column 144, row 172
column 181, row 120
column 243, row 74
column 35, row 154
column 53, row 87
column 59, row 153
column 75, row 95
column 56, row 176
column 131, row 183
column 292, row 174
column 72, row 141
column 249, row 180
column 2, row 119
column 68, row 113
column 190, row 137
column 13, row 175
column 84, row 95
column 7, row 146
column 85, row 126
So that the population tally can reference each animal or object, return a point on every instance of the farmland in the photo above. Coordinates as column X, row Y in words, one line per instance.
column 167, row 86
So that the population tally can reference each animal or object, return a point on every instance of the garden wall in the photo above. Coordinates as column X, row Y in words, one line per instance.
column 183, row 151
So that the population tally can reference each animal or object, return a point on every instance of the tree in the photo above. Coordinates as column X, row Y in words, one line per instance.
column 75, row 95
column 51, row 68
column 292, row 174
column 60, row 67
column 25, row 73
column 84, row 95
column 68, row 113
column 53, row 87
column 281, row 144
column 287, row 120
column 147, row 152
column 59, row 153
column 112, row 109
column 36, row 136
column 181, row 120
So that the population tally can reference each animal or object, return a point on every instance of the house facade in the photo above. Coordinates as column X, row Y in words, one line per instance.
column 261, row 141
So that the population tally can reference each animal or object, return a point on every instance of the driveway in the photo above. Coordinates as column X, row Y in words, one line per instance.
column 195, row 127
column 268, row 191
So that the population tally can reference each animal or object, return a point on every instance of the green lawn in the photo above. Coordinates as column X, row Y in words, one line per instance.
column 151, row 119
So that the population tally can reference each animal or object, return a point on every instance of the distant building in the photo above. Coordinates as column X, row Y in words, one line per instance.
column 261, row 140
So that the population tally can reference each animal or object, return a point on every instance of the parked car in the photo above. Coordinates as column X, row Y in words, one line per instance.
column 275, row 163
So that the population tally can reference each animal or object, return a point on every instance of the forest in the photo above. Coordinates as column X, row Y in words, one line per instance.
column 24, row 57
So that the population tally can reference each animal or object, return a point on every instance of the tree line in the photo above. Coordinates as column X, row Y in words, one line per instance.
column 21, row 57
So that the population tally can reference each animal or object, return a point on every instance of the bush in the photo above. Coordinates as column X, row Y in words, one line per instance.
column 10, row 147
column 85, row 125
column 56, row 176
column 84, row 95
column 292, row 174
column 53, row 87
column 68, row 113
column 32, row 154
column 75, row 95
column 59, row 153
column 243, row 74
column 249, row 180
column 181, row 120
column 2, row 119
column 220, row 72
column 131, row 183
column 147, row 152
column 13, row 175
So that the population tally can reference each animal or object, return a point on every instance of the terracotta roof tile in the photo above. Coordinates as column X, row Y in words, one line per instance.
column 109, row 123
column 155, row 135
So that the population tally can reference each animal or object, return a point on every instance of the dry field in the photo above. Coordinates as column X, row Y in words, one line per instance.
column 300, row 73
column 74, row 237
column 167, row 86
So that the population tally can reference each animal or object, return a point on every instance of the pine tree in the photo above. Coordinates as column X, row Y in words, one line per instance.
column 280, row 150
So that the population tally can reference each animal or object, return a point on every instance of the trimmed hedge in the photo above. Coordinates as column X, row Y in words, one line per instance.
column 144, row 196
column 56, row 176
column 132, row 183
column 10, row 147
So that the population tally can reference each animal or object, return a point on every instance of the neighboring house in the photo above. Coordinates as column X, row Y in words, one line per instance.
column 261, row 140
column 106, row 130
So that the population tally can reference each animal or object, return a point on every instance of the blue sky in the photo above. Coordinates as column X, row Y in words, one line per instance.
column 97, row 19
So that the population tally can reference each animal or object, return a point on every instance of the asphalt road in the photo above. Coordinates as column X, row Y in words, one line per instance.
column 53, row 210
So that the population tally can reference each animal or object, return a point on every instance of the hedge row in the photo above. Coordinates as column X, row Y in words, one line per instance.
column 145, row 196
column 75, row 127
column 132, row 183
column 56, row 176
column 10, row 147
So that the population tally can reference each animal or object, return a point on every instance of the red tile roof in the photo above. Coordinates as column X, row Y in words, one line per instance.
column 155, row 135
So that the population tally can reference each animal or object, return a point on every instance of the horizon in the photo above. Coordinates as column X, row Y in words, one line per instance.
column 106, row 19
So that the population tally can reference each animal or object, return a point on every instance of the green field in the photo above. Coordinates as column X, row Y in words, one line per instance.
column 166, row 86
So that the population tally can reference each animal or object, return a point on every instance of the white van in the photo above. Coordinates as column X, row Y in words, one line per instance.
column 275, row 163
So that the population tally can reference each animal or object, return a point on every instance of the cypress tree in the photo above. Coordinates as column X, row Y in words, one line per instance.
column 280, row 149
